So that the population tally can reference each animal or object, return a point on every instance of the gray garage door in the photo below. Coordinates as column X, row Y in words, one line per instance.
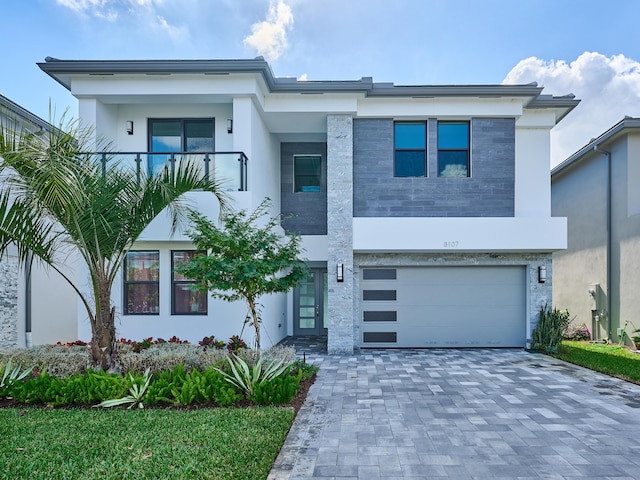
column 442, row 307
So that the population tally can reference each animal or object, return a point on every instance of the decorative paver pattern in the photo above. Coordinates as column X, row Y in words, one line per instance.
column 462, row 414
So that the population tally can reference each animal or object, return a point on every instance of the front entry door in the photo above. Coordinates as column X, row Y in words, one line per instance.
column 310, row 304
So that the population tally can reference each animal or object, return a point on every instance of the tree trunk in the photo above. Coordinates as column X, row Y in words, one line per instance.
column 256, row 324
column 104, row 350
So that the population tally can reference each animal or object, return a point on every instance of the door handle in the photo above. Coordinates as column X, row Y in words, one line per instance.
column 317, row 310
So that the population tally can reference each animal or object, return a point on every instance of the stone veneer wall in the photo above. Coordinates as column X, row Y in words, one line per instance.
column 488, row 192
column 8, row 302
column 341, row 328
column 537, row 295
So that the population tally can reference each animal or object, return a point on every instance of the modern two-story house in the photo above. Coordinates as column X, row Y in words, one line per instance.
column 424, row 211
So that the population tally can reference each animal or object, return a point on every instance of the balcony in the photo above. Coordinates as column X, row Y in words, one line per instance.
column 229, row 168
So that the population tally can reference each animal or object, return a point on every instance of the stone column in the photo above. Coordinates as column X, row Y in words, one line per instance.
column 340, row 233
column 8, row 302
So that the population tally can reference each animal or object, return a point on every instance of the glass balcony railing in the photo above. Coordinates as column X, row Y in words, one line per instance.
column 228, row 168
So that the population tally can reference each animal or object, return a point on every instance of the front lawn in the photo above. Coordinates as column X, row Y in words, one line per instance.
column 613, row 360
column 220, row 443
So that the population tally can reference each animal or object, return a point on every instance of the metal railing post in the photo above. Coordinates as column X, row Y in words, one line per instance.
column 206, row 166
column 138, row 167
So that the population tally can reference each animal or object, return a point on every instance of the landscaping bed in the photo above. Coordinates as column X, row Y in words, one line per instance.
column 157, row 374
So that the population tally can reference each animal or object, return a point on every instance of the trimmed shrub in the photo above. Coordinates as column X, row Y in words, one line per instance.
column 61, row 361
column 278, row 390
column 577, row 333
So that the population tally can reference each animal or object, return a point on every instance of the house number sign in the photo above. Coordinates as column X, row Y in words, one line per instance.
column 451, row 244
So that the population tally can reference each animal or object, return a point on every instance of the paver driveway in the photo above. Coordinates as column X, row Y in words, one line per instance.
column 462, row 414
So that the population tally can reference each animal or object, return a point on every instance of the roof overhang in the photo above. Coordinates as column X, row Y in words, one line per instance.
column 23, row 113
column 623, row 125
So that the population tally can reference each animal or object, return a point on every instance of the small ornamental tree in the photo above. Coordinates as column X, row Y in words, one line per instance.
column 244, row 261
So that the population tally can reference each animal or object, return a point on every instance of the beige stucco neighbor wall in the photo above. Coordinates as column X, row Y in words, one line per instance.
column 580, row 193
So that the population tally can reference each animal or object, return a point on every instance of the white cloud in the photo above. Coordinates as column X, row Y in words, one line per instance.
column 104, row 9
column 303, row 78
column 146, row 12
column 608, row 87
column 269, row 37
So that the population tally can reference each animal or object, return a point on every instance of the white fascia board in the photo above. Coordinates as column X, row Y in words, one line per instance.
column 537, row 119
column 441, row 107
column 165, row 85
column 451, row 235
column 295, row 103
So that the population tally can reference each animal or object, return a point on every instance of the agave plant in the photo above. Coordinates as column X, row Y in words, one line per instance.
column 246, row 378
column 10, row 376
column 136, row 393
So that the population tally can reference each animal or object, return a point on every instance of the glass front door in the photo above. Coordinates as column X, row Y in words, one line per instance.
column 310, row 304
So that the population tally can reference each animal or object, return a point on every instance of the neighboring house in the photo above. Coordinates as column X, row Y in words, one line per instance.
column 425, row 211
column 52, row 315
column 598, row 277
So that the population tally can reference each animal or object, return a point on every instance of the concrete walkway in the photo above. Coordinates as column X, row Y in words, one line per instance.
column 461, row 414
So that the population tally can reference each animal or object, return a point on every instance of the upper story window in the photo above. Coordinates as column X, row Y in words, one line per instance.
column 179, row 135
column 184, row 299
column 142, row 283
column 306, row 173
column 410, row 149
column 453, row 149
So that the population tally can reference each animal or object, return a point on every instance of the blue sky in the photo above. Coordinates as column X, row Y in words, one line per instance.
column 584, row 47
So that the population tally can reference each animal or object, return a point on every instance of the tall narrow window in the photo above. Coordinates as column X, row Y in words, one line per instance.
column 142, row 283
column 453, row 149
column 184, row 299
column 306, row 173
column 410, row 149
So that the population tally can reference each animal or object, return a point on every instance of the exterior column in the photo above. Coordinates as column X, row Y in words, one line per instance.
column 9, row 302
column 340, row 233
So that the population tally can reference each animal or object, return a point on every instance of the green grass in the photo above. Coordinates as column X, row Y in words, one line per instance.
column 219, row 443
column 610, row 359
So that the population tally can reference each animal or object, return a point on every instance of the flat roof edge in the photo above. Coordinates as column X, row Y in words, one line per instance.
column 57, row 69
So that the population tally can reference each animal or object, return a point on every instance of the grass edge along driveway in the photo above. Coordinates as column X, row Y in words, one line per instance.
column 610, row 359
column 220, row 443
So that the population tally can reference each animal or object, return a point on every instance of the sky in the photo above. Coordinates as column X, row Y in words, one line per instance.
column 586, row 47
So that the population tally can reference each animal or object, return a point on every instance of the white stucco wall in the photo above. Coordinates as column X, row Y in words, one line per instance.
column 54, row 305
column 533, row 154
column 458, row 234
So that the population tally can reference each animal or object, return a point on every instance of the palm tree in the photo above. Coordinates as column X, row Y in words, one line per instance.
column 53, row 198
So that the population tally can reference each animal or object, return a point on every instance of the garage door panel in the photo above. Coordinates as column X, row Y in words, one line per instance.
column 452, row 307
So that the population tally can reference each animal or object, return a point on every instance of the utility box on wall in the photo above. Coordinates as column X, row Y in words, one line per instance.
column 594, row 296
column 599, row 315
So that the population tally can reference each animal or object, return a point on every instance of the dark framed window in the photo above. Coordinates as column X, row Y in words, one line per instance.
column 453, row 149
column 184, row 299
column 306, row 173
column 179, row 135
column 142, row 283
column 410, row 140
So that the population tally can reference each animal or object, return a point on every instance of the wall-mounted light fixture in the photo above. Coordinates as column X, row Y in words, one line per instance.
column 542, row 274
column 130, row 127
column 229, row 125
column 340, row 272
